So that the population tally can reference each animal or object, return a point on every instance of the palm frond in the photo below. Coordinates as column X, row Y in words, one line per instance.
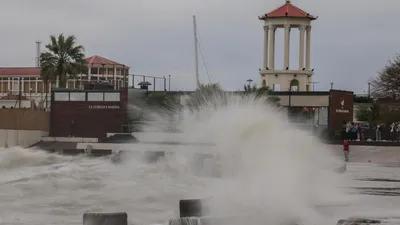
column 63, row 59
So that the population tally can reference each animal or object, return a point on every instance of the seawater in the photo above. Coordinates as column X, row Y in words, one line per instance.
column 269, row 172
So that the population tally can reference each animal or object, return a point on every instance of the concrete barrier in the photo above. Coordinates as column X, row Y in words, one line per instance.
column 185, row 221
column 101, row 152
column 365, row 143
column 23, row 138
column 143, row 147
column 71, row 151
column 88, row 149
column 190, row 208
column 71, row 139
column 120, row 218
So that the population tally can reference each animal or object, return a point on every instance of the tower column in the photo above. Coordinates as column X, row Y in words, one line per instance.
column 265, row 63
column 301, row 43
column 287, row 46
column 272, row 29
column 308, row 48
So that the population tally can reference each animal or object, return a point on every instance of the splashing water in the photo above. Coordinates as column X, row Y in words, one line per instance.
column 270, row 170
column 268, row 173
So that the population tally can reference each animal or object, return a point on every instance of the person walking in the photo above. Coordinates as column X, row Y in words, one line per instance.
column 346, row 150
column 72, row 129
column 378, row 132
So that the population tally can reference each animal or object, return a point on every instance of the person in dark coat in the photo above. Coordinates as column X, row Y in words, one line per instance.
column 72, row 129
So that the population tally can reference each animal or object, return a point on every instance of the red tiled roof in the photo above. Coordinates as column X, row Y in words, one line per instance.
column 288, row 10
column 98, row 60
column 35, row 71
column 19, row 71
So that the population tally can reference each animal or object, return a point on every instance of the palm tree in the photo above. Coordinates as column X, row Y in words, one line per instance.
column 206, row 94
column 260, row 92
column 62, row 60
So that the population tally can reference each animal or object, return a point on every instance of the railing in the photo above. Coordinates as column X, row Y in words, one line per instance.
column 362, row 99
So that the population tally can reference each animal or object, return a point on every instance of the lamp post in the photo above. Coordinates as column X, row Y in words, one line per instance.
column 369, row 89
column 124, row 75
column 169, row 82
column 331, row 85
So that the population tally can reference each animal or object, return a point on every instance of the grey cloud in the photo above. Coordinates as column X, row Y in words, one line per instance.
column 351, row 40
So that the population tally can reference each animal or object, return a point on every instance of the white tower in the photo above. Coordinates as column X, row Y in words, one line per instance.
column 287, row 17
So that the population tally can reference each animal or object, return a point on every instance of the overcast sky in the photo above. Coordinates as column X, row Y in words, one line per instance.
column 351, row 39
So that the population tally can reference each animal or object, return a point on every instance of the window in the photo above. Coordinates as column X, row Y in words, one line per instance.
column 95, row 96
column 77, row 96
column 61, row 96
column 294, row 85
column 94, row 70
column 111, row 97
column 276, row 87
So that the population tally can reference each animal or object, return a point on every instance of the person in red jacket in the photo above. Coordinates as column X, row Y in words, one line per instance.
column 346, row 150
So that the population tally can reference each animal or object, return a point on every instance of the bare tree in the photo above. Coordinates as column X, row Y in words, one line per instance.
column 387, row 83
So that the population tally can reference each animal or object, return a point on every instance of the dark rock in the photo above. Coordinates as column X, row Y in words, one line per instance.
column 120, row 218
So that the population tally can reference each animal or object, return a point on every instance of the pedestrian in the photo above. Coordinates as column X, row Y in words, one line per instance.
column 346, row 150
column 72, row 129
column 378, row 132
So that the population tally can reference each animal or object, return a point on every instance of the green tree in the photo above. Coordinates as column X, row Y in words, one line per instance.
column 62, row 60
column 372, row 113
column 387, row 83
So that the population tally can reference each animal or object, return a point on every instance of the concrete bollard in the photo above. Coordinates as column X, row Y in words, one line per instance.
column 120, row 218
column 88, row 149
column 185, row 221
column 190, row 208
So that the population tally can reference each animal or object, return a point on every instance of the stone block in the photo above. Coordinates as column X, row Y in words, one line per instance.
column 185, row 221
column 119, row 218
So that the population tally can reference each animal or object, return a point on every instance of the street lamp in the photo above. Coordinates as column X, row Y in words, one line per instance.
column 331, row 85
column 369, row 89
column 169, row 82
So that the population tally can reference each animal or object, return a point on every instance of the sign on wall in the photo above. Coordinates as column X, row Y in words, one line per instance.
column 104, row 107
column 342, row 109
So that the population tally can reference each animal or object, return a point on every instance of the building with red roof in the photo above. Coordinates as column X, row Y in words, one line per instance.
column 287, row 17
column 288, row 10
column 99, row 68
column 27, row 80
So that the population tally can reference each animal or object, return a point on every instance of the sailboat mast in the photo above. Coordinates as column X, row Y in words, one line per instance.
column 196, row 54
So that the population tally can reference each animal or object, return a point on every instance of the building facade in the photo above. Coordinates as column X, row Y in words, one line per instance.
column 287, row 17
column 27, row 80
column 94, row 112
